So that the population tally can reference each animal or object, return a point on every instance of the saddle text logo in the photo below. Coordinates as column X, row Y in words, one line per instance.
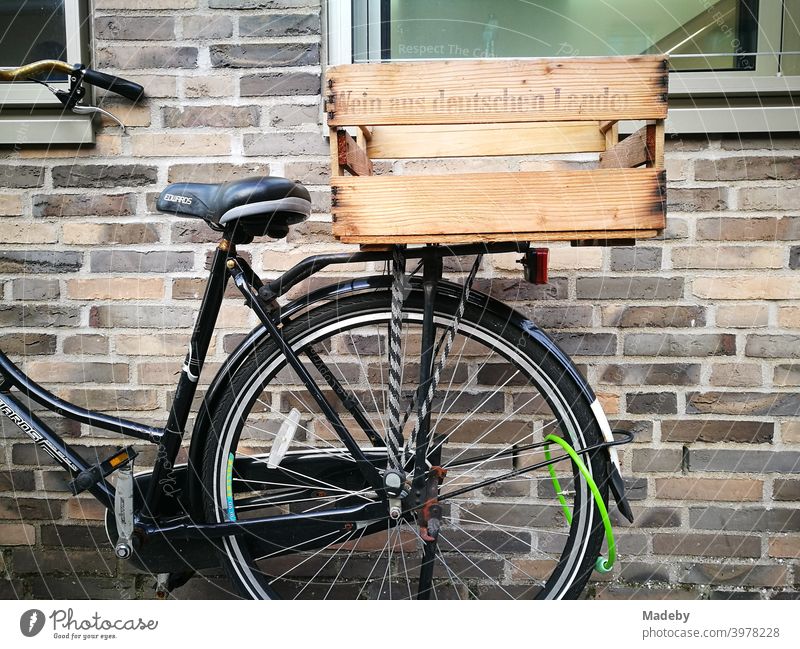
column 31, row 622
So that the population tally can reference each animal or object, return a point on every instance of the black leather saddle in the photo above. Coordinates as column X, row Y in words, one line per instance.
column 255, row 206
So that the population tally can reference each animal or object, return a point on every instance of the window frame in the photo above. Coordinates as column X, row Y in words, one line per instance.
column 745, row 101
column 31, row 114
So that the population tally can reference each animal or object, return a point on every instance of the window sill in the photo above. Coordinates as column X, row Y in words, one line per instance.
column 45, row 128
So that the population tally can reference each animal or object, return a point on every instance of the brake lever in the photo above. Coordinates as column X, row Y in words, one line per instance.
column 92, row 110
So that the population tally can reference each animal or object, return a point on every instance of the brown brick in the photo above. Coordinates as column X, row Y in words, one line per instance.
column 291, row 115
column 157, row 344
column 204, row 26
column 39, row 315
column 729, row 574
column 744, row 316
column 160, row 373
column 790, row 432
column 56, row 560
column 654, row 374
column 787, row 375
column 264, row 55
column 204, row 87
column 109, row 233
column 128, row 5
column 785, row 547
column 789, row 317
column 707, row 545
column 735, row 375
column 135, row 28
column 211, row 116
column 777, row 346
column 129, row 261
column 28, row 344
column 629, row 288
column 30, row 288
column 697, row 199
column 157, row 57
column 111, row 400
column 47, row 371
column 290, row 143
column 716, row 430
column 17, row 534
column 652, row 344
column 738, row 229
column 86, row 344
column 768, row 198
column 106, row 205
column 786, row 489
column 657, row 461
column 709, row 489
column 21, row 176
column 16, row 481
column 85, row 509
column 635, row 259
column 215, row 172
column 743, row 287
column 741, row 461
column 28, row 233
column 155, row 316
column 116, row 288
column 748, row 168
column 10, row 205
column 662, row 403
column 653, row 316
column 725, row 257
column 775, row 404
column 26, row 509
column 184, row 144
column 279, row 84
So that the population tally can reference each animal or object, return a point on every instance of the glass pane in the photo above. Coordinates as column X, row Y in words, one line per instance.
column 31, row 30
column 700, row 34
column 790, row 62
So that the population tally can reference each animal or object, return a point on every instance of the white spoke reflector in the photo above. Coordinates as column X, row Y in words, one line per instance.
column 283, row 439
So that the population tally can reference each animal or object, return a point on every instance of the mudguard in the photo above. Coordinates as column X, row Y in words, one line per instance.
column 377, row 283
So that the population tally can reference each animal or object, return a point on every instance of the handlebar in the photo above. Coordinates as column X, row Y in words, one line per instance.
column 123, row 87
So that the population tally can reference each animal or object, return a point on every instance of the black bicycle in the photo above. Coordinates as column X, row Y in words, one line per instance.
column 395, row 436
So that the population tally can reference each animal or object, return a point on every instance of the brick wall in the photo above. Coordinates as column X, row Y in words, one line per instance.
column 692, row 340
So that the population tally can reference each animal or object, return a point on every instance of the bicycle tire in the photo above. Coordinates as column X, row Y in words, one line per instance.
column 535, row 570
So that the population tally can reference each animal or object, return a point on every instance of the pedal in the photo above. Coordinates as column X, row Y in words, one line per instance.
column 95, row 473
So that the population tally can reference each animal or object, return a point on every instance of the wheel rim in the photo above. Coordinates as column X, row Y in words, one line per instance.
column 486, row 526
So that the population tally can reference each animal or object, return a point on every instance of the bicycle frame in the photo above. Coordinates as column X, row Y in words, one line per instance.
column 261, row 297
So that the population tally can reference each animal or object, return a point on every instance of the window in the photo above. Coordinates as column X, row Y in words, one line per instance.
column 735, row 63
column 33, row 30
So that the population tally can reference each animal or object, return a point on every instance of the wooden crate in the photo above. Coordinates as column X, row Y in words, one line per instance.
column 435, row 109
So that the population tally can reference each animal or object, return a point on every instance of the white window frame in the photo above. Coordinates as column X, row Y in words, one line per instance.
column 30, row 113
column 700, row 102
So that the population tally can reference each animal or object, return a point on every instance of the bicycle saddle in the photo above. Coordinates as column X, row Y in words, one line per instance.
column 258, row 206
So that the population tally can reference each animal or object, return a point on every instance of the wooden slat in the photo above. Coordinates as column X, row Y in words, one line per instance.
column 631, row 152
column 655, row 144
column 606, row 126
column 447, row 141
column 380, row 243
column 487, row 91
column 536, row 201
column 333, row 141
column 351, row 156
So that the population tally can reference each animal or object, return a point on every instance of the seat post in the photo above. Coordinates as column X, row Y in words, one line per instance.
column 163, row 481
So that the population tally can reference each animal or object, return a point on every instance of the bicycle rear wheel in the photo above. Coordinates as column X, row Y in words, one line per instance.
column 504, row 535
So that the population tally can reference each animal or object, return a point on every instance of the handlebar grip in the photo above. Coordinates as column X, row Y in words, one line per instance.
column 127, row 89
